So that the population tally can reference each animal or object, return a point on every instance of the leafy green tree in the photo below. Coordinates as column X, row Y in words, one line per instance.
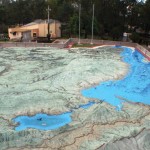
column 112, row 17
column 145, row 16
column 73, row 24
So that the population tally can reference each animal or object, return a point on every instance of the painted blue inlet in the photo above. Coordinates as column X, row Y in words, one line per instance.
column 43, row 121
column 86, row 106
column 134, row 87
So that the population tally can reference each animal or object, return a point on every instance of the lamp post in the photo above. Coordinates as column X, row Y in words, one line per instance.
column 79, row 22
column 92, row 24
column 48, row 35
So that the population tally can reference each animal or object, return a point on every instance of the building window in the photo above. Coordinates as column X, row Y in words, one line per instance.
column 34, row 34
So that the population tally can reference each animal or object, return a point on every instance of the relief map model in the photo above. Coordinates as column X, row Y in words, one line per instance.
column 76, row 99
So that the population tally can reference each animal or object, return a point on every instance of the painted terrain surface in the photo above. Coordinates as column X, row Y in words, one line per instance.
column 48, row 80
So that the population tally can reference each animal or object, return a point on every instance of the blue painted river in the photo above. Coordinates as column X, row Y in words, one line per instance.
column 134, row 87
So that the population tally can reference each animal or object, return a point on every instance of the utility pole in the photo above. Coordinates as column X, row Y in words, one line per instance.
column 79, row 22
column 48, row 35
column 92, row 24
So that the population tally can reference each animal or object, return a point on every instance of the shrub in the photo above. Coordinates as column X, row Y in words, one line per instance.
column 135, row 37
column 116, row 32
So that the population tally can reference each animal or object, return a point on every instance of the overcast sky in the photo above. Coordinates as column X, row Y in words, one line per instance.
column 141, row 0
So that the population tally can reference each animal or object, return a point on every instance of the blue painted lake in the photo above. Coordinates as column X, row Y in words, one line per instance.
column 43, row 121
column 135, row 87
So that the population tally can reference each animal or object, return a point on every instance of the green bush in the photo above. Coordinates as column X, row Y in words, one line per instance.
column 116, row 32
column 135, row 37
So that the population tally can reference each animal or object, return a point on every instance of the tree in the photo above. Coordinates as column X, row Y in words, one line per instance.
column 112, row 17
column 145, row 16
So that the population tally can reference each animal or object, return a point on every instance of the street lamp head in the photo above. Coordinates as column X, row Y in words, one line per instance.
column 49, row 9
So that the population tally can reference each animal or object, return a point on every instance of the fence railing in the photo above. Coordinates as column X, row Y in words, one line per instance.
column 67, row 43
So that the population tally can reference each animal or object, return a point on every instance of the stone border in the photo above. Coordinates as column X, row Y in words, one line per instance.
column 69, row 43
column 31, row 44
column 141, row 49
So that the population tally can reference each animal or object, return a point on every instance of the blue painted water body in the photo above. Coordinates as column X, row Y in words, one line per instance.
column 134, row 87
column 43, row 121
column 86, row 106
column 46, row 122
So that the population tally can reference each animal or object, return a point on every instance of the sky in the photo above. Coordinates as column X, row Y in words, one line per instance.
column 141, row 0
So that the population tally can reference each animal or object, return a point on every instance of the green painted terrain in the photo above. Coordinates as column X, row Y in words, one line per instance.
column 49, row 80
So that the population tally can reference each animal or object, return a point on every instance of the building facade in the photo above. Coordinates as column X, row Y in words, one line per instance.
column 34, row 30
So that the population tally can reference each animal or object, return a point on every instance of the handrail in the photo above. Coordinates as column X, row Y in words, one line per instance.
column 67, row 42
